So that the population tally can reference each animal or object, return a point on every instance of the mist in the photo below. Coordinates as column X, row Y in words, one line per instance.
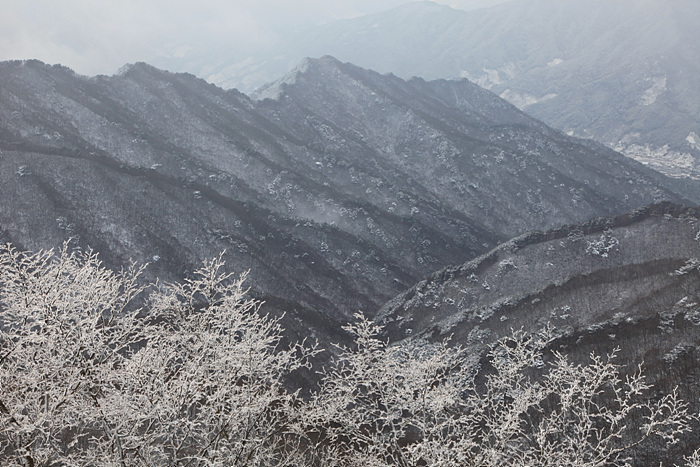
column 99, row 36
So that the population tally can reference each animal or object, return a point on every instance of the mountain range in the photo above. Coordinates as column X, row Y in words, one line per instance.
column 337, row 187
column 620, row 72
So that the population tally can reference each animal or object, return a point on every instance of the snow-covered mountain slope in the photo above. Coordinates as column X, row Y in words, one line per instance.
column 621, row 72
column 345, row 189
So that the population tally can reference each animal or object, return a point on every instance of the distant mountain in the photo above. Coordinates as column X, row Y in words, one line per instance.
column 338, row 190
column 630, row 282
column 621, row 72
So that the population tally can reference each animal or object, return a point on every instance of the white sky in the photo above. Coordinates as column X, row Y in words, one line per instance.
column 99, row 36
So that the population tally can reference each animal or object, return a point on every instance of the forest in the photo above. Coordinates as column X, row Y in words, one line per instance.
column 101, row 368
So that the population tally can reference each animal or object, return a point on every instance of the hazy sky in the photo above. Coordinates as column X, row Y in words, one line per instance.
column 99, row 36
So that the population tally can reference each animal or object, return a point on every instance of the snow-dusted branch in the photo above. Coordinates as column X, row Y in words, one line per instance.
column 98, row 369
column 89, row 378
column 416, row 403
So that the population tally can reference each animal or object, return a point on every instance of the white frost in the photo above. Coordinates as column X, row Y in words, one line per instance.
column 650, row 95
column 524, row 100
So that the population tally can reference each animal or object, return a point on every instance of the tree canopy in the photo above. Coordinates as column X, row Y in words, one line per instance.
column 99, row 368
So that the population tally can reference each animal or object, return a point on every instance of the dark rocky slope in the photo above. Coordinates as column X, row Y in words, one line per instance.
column 337, row 194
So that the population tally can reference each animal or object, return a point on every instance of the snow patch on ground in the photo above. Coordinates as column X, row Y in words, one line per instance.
column 693, row 140
column 650, row 95
column 509, row 70
column 274, row 90
column 489, row 78
column 524, row 100
column 555, row 62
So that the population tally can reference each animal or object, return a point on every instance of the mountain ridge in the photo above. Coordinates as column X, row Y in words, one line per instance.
column 347, row 190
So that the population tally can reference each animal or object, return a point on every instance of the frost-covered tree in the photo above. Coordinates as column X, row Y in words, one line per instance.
column 413, row 404
column 194, row 377
column 65, row 331
column 97, row 369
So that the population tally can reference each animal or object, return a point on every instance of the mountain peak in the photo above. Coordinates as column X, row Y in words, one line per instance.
column 143, row 69
column 276, row 89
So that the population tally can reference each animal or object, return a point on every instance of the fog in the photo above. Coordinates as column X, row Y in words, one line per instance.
column 99, row 36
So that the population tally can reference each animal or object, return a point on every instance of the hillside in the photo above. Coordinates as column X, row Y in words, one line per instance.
column 629, row 282
column 339, row 192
